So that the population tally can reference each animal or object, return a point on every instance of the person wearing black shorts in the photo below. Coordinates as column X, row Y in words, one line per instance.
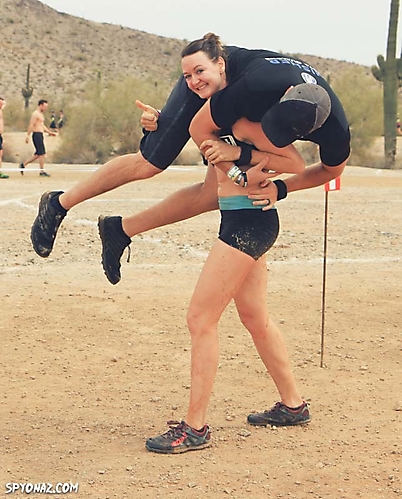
column 2, row 105
column 236, row 269
column 52, row 124
column 157, row 151
column 60, row 122
column 37, row 128
column 251, row 95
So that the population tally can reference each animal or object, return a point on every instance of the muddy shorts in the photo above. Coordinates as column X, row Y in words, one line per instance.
column 249, row 230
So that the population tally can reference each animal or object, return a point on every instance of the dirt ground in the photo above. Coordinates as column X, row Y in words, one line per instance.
column 90, row 370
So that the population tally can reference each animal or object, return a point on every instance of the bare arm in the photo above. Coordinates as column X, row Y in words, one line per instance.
column 281, row 160
column 203, row 128
column 47, row 130
column 284, row 160
column 31, row 126
column 313, row 176
column 32, row 123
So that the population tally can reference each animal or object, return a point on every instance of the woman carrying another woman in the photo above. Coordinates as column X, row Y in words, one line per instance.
column 235, row 267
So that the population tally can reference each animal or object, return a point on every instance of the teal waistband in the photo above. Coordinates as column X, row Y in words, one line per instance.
column 238, row 203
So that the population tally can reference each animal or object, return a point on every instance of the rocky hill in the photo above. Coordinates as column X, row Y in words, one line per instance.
column 65, row 52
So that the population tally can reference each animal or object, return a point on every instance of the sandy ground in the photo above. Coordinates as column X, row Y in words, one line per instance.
column 90, row 370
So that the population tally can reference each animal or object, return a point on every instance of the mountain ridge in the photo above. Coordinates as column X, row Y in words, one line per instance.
column 66, row 52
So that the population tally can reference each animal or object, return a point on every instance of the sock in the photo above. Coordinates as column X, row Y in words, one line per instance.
column 56, row 203
column 123, row 234
column 295, row 408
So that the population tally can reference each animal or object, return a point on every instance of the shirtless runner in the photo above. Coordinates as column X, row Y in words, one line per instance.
column 37, row 128
column 2, row 104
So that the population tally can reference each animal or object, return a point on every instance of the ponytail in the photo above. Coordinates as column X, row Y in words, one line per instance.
column 210, row 44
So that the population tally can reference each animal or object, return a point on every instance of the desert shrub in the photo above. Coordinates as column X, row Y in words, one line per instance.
column 106, row 121
column 9, row 155
column 361, row 97
column 16, row 116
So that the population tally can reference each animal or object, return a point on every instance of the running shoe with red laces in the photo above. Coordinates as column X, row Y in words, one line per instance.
column 281, row 415
column 180, row 438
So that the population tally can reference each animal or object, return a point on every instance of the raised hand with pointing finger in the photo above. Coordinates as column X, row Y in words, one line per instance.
column 149, row 117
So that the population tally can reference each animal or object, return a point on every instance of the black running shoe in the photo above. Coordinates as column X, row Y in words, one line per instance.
column 44, row 174
column 22, row 168
column 180, row 438
column 46, row 224
column 281, row 415
column 114, row 242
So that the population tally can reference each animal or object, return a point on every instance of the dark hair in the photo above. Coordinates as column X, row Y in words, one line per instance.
column 42, row 101
column 210, row 44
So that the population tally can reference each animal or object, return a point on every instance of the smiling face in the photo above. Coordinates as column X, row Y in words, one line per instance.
column 203, row 76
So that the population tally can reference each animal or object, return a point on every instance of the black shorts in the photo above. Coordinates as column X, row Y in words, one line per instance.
column 37, row 139
column 251, row 231
column 160, row 148
column 1, row 142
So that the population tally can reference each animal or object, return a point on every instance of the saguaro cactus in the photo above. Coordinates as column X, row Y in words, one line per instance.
column 389, row 73
column 27, row 91
column 399, row 70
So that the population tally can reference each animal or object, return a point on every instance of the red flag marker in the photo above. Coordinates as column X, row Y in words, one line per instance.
column 333, row 185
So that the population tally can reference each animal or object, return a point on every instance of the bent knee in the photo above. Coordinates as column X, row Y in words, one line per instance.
column 199, row 322
column 134, row 167
column 193, row 320
column 253, row 321
column 146, row 170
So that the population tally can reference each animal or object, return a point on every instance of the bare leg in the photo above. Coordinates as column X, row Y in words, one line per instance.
column 220, row 279
column 2, row 175
column 181, row 205
column 251, row 303
column 41, row 161
column 30, row 160
column 113, row 174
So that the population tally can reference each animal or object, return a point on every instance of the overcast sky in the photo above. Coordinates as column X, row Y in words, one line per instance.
column 349, row 30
